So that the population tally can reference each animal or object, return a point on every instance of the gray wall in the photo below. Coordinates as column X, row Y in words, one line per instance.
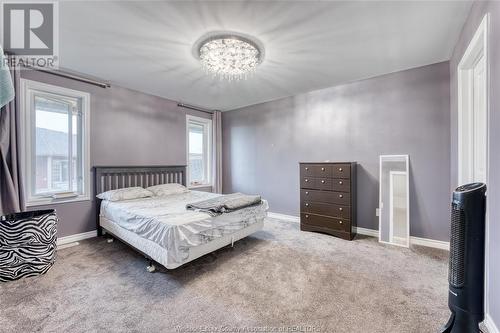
column 401, row 113
column 127, row 128
column 477, row 13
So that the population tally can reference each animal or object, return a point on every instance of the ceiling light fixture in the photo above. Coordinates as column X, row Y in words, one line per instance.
column 229, row 57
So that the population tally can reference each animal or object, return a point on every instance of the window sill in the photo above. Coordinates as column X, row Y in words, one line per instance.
column 199, row 186
column 51, row 201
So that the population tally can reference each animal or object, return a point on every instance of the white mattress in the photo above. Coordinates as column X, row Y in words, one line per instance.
column 160, row 255
column 166, row 222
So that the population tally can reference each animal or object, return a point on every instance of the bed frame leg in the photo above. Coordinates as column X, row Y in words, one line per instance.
column 109, row 238
column 151, row 268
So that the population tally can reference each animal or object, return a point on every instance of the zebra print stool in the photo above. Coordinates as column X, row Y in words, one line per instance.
column 27, row 244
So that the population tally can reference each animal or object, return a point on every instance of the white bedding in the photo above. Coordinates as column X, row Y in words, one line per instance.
column 165, row 221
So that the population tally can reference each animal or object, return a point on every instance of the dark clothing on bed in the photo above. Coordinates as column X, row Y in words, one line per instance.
column 225, row 204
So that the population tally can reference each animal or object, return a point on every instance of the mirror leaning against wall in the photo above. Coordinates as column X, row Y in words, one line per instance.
column 394, row 200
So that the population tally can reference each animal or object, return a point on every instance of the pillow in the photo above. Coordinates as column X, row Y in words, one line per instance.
column 167, row 189
column 125, row 194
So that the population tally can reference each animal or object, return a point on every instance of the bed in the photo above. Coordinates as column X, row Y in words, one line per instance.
column 161, row 228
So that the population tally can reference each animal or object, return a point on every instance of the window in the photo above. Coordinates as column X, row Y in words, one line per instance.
column 199, row 147
column 56, row 143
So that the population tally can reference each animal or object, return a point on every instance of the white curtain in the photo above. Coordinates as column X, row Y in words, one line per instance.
column 217, row 152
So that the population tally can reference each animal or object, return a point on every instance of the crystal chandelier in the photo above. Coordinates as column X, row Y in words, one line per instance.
column 229, row 57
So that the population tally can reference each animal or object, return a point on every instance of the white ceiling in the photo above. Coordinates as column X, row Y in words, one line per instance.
column 147, row 45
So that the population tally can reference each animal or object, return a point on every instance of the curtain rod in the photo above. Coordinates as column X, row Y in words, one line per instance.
column 192, row 107
column 71, row 76
column 64, row 74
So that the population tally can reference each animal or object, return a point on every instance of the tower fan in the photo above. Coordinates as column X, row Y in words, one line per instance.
column 466, row 270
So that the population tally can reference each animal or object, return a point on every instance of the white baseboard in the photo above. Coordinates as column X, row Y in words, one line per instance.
column 285, row 217
column 437, row 244
column 373, row 233
column 76, row 237
column 490, row 324
column 366, row 232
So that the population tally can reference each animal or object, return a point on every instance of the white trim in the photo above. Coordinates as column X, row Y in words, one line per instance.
column 198, row 187
column 437, row 244
column 490, row 324
column 380, row 203
column 366, row 232
column 391, row 206
column 53, row 201
column 65, row 246
column 478, row 45
column 289, row 218
column 76, row 237
column 26, row 87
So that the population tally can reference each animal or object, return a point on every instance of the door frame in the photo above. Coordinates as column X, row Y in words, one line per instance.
column 478, row 45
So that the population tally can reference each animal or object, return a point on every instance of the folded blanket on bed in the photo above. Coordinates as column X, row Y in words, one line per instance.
column 225, row 204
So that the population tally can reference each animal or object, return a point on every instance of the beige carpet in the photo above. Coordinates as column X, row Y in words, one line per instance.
column 279, row 278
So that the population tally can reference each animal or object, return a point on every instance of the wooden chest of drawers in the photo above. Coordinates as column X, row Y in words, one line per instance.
column 328, row 198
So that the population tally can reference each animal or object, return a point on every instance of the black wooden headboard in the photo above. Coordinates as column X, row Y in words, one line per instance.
column 115, row 177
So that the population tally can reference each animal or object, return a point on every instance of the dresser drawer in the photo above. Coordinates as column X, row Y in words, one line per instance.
column 341, row 185
column 316, row 183
column 327, row 197
column 325, row 222
column 321, row 208
column 316, row 170
column 342, row 171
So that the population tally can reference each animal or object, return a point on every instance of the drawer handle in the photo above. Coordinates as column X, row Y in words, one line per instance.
column 307, row 216
column 322, row 182
column 307, row 193
column 341, row 195
column 306, row 180
column 307, row 205
column 340, row 170
column 341, row 182
column 341, row 209
column 340, row 222
column 322, row 169
column 307, row 168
